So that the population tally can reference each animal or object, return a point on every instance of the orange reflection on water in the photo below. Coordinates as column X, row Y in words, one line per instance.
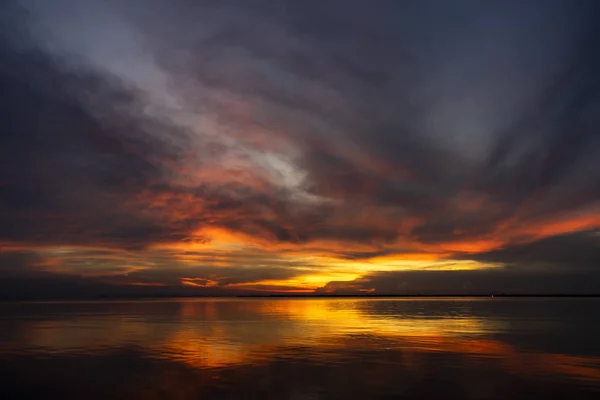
column 235, row 333
column 331, row 326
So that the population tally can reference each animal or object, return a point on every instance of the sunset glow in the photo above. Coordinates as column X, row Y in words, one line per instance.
column 259, row 150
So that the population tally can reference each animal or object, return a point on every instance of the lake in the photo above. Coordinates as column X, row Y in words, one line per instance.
column 324, row 348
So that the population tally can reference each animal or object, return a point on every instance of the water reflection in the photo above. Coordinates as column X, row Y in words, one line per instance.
column 302, row 348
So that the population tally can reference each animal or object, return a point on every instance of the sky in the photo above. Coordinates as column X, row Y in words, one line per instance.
column 335, row 147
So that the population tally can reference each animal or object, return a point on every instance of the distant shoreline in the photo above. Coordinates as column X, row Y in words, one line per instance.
column 298, row 296
column 414, row 295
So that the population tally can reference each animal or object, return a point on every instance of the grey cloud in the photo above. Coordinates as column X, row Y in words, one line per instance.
column 568, row 252
column 474, row 282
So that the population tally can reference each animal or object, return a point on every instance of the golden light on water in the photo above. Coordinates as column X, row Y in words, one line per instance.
column 221, row 333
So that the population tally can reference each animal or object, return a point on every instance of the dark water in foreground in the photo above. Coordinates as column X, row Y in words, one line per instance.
column 302, row 349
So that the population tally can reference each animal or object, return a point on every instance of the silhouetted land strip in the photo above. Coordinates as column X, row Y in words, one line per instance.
column 288, row 295
column 417, row 295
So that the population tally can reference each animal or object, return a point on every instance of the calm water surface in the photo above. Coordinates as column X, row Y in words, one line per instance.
column 302, row 349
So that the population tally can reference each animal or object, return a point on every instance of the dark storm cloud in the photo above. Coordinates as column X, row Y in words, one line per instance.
column 568, row 252
column 397, row 126
column 546, row 161
column 386, row 116
column 22, row 279
column 555, row 142
column 74, row 146
column 476, row 282
column 83, row 162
